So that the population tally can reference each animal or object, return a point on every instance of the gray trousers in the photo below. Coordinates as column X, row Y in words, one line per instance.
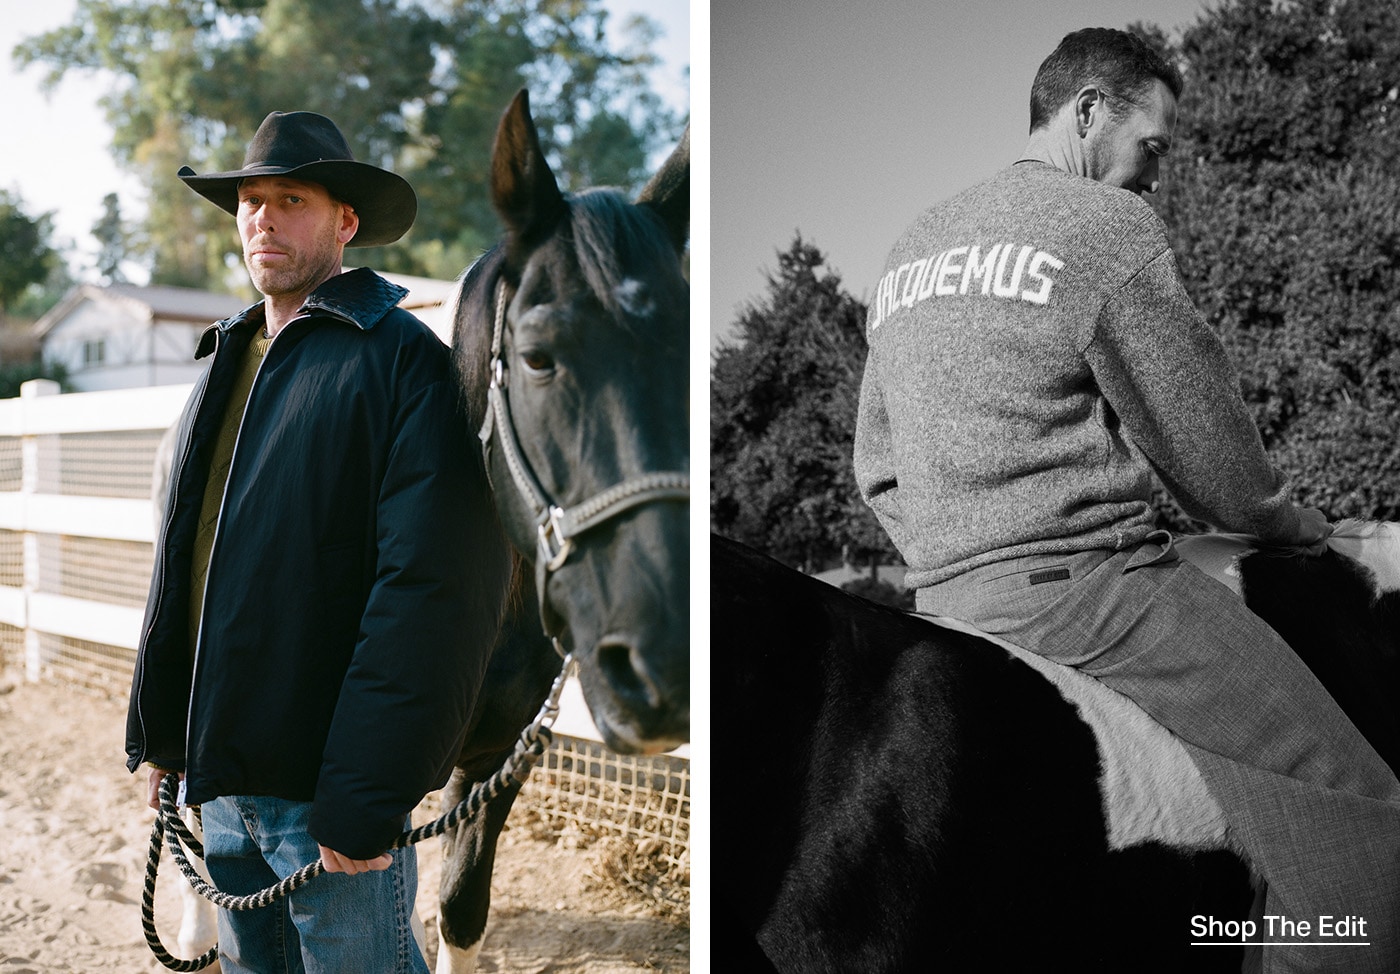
column 1305, row 795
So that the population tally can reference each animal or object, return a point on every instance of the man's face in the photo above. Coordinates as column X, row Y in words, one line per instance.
column 1125, row 151
column 292, row 232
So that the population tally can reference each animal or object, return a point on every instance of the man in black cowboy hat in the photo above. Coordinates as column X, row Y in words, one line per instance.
column 322, row 607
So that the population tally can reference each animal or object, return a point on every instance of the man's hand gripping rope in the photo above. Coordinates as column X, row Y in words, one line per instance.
column 530, row 747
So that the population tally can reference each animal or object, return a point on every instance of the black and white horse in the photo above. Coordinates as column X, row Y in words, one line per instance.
column 935, row 799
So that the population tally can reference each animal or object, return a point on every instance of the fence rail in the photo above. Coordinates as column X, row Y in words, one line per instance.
column 77, row 527
column 77, row 534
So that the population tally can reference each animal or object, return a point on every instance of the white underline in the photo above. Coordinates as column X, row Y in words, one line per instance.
column 1282, row 943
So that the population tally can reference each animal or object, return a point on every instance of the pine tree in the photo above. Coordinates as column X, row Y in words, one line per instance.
column 783, row 397
column 111, row 237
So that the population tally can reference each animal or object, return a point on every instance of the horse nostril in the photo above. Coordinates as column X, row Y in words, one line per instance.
column 615, row 660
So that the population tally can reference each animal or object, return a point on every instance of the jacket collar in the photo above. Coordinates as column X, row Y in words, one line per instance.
column 360, row 297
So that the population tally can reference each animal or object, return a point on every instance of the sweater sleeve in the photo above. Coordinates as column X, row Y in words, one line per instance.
column 1168, row 378
column 875, row 460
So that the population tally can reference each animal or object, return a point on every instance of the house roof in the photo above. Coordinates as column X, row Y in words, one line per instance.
column 154, row 303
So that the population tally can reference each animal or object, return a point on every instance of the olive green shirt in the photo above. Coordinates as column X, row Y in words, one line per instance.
column 218, row 477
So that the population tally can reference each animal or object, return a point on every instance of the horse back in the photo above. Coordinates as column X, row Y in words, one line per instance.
column 924, row 793
column 1344, row 625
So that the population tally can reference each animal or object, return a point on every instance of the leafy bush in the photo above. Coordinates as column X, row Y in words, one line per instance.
column 1283, row 203
column 14, row 375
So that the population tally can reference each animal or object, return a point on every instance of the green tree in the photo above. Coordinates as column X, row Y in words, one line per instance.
column 783, row 398
column 35, row 302
column 113, row 241
column 1283, row 201
column 416, row 87
column 15, row 374
column 598, row 119
column 27, row 254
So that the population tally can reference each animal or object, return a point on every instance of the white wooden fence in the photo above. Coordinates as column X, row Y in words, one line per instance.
column 77, row 527
column 77, row 533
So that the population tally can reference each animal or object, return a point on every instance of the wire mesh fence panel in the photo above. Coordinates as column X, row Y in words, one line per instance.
column 88, row 664
column 646, row 798
column 12, row 558
column 100, row 569
column 11, row 463
column 113, row 463
column 11, row 648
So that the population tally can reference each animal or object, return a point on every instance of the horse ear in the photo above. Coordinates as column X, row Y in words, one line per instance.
column 523, row 189
column 668, row 192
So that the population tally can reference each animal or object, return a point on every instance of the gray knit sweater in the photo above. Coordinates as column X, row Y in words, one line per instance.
column 1034, row 359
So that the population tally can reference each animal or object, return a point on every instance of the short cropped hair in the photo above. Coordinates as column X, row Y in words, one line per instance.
column 1117, row 62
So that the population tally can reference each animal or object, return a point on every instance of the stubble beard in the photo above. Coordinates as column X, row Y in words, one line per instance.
column 1098, row 164
column 300, row 274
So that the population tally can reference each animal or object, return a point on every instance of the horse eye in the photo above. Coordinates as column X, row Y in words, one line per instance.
column 537, row 361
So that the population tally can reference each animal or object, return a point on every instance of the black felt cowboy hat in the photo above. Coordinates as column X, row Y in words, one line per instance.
column 307, row 146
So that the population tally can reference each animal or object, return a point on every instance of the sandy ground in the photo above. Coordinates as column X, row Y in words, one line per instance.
column 74, row 831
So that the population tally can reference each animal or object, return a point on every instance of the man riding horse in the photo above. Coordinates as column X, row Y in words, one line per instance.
column 1034, row 360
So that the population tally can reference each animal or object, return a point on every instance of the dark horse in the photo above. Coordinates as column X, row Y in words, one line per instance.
column 932, row 802
column 571, row 340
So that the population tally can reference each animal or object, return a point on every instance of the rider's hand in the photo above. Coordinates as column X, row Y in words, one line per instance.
column 1313, row 530
column 334, row 862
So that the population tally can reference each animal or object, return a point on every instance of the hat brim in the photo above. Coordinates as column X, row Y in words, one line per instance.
column 384, row 201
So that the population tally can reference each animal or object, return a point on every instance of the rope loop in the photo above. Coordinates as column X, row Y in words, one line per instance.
column 170, row 830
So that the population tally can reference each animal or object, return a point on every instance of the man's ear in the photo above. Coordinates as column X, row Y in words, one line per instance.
column 349, row 223
column 1089, row 109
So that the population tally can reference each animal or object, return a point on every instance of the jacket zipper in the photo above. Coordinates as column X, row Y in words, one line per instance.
column 214, row 545
column 170, row 505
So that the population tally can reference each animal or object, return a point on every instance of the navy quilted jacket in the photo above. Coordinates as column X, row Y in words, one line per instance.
column 355, row 582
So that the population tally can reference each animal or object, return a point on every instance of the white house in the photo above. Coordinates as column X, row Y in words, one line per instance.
column 120, row 336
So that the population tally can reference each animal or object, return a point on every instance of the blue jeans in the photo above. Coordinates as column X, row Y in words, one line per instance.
column 335, row 924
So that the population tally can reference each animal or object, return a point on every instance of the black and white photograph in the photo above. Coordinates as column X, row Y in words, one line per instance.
column 1055, row 578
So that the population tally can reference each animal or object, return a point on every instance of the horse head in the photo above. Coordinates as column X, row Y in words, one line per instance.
column 572, row 339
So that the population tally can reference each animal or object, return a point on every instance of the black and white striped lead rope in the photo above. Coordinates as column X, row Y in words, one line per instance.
column 170, row 828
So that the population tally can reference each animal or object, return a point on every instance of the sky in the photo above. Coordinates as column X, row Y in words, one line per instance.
column 843, row 121
column 54, row 149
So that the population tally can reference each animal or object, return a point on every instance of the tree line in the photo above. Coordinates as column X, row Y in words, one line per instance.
column 1282, row 201
column 417, row 86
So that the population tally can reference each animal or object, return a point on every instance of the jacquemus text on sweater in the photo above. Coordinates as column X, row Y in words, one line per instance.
column 1034, row 359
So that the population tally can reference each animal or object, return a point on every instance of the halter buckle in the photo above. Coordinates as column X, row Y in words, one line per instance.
column 555, row 545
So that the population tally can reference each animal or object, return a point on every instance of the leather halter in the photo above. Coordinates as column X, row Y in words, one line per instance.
column 557, row 526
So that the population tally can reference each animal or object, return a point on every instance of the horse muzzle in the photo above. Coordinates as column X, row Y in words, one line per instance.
column 623, row 604
column 636, row 709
